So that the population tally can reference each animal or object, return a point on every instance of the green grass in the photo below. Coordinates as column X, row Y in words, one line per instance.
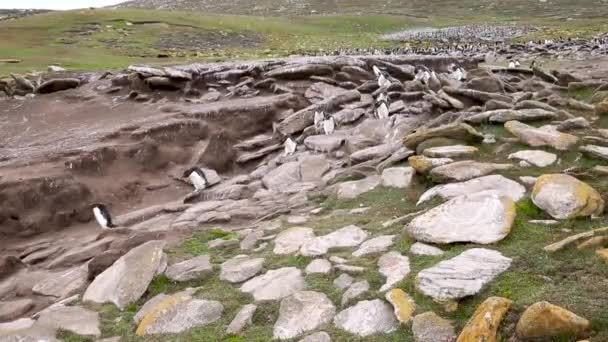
column 109, row 41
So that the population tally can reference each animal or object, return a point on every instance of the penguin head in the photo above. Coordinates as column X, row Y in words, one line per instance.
column 102, row 207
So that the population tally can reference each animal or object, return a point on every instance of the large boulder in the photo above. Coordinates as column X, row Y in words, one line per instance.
column 300, row 71
column 465, row 170
column 324, row 143
column 128, row 278
column 563, row 196
column 454, row 151
column 462, row 276
column 543, row 136
column 275, row 284
column 545, row 320
column 302, row 312
column 488, row 84
column 480, row 218
column 375, row 245
column 367, row 318
column 398, row 177
column 178, row 313
column 600, row 152
column 64, row 283
column 494, row 184
column 424, row 164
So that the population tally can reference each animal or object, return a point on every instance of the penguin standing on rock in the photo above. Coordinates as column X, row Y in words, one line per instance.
column 197, row 177
column 329, row 124
column 382, row 77
column 382, row 106
column 102, row 216
column 290, row 146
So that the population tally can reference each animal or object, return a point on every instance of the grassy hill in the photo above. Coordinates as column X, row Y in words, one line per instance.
column 415, row 8
column 114, row 38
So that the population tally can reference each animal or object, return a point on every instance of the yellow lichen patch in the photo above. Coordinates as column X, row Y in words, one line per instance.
column 420, row 163
column 402, row 303
column 166, row 304
column 544, row 319
column 484, row 324
column 602, row 254
column 592, row 242
column 510, row 213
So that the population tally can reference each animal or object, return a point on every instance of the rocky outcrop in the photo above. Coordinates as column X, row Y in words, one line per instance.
column 563, row 196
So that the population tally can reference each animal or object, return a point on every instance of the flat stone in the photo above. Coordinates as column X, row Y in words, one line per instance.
column 486, row 320
column 312, row 168
column 454, row 151
column 195, row 268
column 128, row 278
column 504, row 115
column 600, row 152
column 297, row 219
column 178, row 313
column 343, row 281
column 536, row 158
column 563, row 197
column 149, row 305
column 321, row 266
column 275, row 284
column 78, row 255
column 222, row 243
column 420, row 248
column 375, row 245
column 544, row 319
column 459, row 131
column 398, row 177
column 493, row 184
column 349, row 236
column 63, row 284
column 424, row 164
column 350, row 269
column 428, row 327
column 74, row 319
column 352, row 189
column 465, row 170
column 282, row 177
column 320, row 336
column 395, row 267
column 402, row 303
column 375, row 152
column 461, row 276
column 303, row 312
column 11, row 309
column 242, row 319
column 354, row 290
column 289, row 241
column 544, row 136
column 324, row 143
column 367, row 318
column 480, row 218
column 240, row 268
column 250, row 240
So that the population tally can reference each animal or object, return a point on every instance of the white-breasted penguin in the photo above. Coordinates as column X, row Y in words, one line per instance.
column 290, row 146
column 197, row 177
column 382, row 106
column 102, row 216
column 329, row 124
column 319, row 117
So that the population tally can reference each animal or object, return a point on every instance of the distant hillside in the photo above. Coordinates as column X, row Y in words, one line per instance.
column 417, row 8
column 9, row 14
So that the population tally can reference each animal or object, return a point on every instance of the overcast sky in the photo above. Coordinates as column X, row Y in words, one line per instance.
column 57, row 4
